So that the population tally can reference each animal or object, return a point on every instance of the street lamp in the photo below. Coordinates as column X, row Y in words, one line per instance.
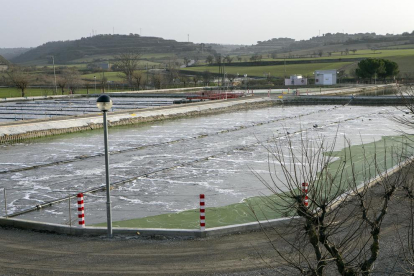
column 95, row 83
column 104, row 103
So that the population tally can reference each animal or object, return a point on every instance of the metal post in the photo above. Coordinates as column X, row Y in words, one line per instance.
column 70, row 213
column 95, row 83
column 108, row 188
column 5, row 202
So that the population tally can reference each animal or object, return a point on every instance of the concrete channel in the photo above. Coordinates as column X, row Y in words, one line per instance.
column 17, row 131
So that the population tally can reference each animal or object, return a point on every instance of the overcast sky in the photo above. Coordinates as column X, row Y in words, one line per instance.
column 30, row 23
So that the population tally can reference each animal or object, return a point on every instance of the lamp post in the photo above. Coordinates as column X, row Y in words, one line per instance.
column 245, row 81
column 104, row 103
column 95, row 83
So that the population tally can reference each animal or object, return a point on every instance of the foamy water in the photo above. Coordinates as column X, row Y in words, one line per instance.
column 213, row 155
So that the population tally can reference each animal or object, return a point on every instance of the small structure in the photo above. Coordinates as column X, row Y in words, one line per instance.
column 325, row 77
column 105, row 66
column 296, row 80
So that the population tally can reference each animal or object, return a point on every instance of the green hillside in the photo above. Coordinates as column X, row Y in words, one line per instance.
column 3, row 60
column 66, row 52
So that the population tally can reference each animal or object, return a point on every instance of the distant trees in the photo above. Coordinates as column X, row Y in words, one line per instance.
column 19, row 78
column 228, row 59
column 256, row 57
column 374, row 67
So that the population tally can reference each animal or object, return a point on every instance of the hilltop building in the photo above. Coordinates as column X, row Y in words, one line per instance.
column 296, row 80
column 325, row 77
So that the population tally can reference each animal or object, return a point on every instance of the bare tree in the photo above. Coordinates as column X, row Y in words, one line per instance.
column 405, row 231
column 228, row 59
column 137, row 78
column 73, row 79
column 210, row 59
column 186, row 61
column 184, row 79
column 19, row 78
column 103, row 81
column 61, row 83
column 157, row 80
column 337, row 224
column 195, row 80
column 127, row 63
column 320, row 53
column 206, row 77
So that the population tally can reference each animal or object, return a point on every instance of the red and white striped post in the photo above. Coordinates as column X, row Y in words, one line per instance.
column 305, row 194
column 81, row 211
column 202, row 213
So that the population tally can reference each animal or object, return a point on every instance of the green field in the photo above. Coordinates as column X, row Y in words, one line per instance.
column 262, row 206
column 404, row 58
column 274, row 70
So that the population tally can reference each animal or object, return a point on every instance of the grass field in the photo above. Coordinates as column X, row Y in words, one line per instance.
column 242, row 212
column 274, row 70
column 404, row 58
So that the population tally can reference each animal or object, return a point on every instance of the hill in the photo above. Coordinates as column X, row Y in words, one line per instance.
column 3, row 61
column 10, row 53
column 328, row 42
column 106, row 45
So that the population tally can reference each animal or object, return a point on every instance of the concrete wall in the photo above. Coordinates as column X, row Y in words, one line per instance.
column 145, row 232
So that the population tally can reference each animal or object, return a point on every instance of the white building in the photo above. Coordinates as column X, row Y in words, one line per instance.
column 296, row 80
column 325, row 77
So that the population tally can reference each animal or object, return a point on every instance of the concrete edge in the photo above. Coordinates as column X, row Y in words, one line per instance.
column 144, row 232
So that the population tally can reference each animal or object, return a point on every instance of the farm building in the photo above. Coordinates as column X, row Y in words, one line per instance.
column 105, row 66
column 296, row 80
column 325, row 77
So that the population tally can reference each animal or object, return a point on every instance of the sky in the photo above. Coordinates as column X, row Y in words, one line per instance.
column 30, row 23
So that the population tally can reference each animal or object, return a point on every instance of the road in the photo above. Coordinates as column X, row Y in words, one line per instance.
column 32, row 253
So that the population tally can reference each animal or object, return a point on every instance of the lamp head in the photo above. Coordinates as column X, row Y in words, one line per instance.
column 104, row 103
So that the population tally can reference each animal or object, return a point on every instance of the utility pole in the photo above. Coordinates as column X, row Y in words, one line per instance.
column 188, row 37
column 54, row 73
